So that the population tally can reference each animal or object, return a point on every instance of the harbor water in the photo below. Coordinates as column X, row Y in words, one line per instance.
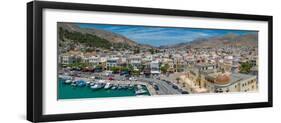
column 67, row 91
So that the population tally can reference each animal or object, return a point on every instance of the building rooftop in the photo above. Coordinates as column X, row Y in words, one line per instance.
column 233, row 78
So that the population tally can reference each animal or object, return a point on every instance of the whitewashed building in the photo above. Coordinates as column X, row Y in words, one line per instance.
column 154, row 68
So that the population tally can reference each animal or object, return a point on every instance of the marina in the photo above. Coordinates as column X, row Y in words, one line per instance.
column 75, row 89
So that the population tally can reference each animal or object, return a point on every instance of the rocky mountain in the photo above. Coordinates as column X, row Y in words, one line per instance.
column 250, row 39
column 73, row 35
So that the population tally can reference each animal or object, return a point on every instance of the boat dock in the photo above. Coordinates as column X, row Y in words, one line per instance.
column 149, row 87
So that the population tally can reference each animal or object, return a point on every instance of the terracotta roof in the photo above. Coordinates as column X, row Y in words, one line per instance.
column 222, row 79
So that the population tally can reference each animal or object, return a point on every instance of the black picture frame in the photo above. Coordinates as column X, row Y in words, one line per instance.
column 35, row 69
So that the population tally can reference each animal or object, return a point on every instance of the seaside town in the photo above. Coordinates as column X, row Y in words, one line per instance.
column 160, row 71
column 168, row 71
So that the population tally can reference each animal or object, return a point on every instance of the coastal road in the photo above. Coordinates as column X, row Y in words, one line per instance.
column 164, row 88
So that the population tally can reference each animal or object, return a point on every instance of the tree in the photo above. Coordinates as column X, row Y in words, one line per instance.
column 199, row 80
column 245, row 67
column 86, row 39
column 115, row 69
column 183, row 85
column 152, row 51
column 61, row 34
column 137, row 50
column 124, row 69
column 178, row 80
column 142, row 67
column 164, row 68
column 77, row 65
column 136, row 72
column 130, row 68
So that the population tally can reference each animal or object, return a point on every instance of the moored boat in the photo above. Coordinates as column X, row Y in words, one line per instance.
column 88, row 82
column 73, row 83
column 140, row 92
column 119, row 87
column 131, row 86
column 80, row 83
column 139, row 87
column 97, row 86
column 113, row 87
column 68, row 81
column 107, row 86
column 92, row 84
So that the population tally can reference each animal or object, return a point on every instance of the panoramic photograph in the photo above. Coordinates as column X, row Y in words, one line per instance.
column 106, row 60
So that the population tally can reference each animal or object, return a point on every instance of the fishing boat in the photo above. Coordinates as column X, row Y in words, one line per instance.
column 139, row 87
column 80, row 83
column 73, row 83
column 107, row 86
column 103, row 84
column 119, row 87
column 140, row 92
column 67, row 81
column 113, row 87
column 88, row 82
column 131, row 86
column 97, row 86
column 92, row 84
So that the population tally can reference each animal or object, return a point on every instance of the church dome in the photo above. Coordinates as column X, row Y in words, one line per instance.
column 223, row 78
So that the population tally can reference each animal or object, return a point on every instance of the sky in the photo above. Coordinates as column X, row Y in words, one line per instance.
column 159, row 36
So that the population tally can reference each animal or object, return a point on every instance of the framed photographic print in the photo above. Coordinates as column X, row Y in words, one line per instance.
column 95, row 61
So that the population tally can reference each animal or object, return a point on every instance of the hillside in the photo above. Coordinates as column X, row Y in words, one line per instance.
column 71, row 36
column 250, row 40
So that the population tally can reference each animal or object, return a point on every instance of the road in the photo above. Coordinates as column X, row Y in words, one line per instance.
column 164, row 87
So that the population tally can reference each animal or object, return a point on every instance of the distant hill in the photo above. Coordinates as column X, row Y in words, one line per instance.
column 250, row 39
column 72, row 36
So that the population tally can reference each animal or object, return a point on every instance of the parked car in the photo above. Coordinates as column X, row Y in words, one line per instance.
column 124, row 73
column 110, row 78
column 127, row 75
column 184, row 92
column 168, row 82
column 108, row 73
column 98, row 70
column 156, row 87
column 132, row 79
column 175, row 87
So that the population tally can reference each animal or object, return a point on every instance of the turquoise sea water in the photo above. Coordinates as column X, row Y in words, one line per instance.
column 66, row 91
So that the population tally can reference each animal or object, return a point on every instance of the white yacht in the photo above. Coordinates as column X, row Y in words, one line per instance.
column 68, row 81
column 97, row 86
column 107, row 85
